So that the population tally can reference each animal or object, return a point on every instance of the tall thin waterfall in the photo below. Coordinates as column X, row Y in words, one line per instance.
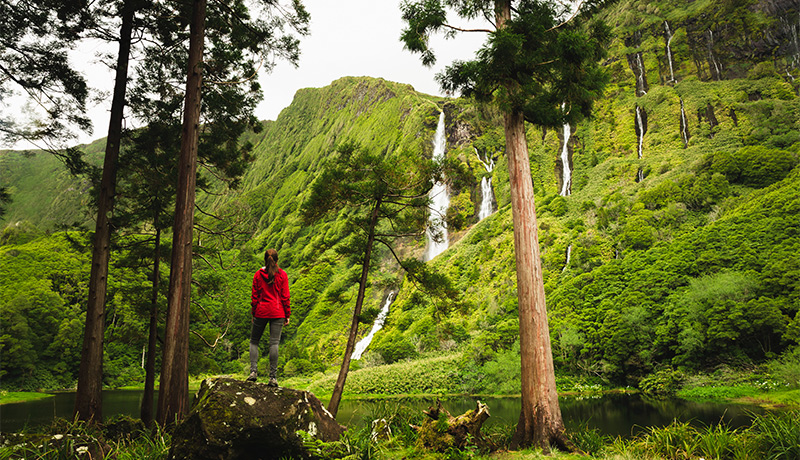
column 440, row 199
column 795, row 44
column 713, row 62
column 641, row 83
column 569, row 255
column 566, row 175
column 487, row 194
column 684, row 125
column 669, row 52
column 639, row 130
column 362, row 344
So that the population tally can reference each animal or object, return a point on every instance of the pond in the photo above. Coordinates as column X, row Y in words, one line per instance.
column 611, row 414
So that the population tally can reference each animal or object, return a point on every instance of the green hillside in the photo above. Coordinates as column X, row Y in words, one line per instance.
column 681, row 253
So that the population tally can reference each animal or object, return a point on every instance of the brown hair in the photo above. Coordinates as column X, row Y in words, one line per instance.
column 271, row 263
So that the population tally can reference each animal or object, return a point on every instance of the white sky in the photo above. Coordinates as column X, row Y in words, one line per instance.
column 347, row 38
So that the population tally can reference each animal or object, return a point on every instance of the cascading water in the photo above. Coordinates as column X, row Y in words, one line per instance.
column 566, row 175
column 440, row 200
column 684, row 125
column 712, row 60
column 641, row 85
column 669, row 52
column 362, row 344
column 569, row 255
column 640, row 128
column 795, row 42
column 487, row 194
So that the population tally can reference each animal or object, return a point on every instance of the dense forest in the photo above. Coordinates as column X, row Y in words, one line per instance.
column 669, row 225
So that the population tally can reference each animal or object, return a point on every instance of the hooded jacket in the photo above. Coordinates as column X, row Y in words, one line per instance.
column 270, row 299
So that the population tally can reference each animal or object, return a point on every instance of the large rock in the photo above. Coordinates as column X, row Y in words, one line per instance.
column 232, row 419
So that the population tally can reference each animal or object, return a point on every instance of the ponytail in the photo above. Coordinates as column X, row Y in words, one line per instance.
column 271, row 264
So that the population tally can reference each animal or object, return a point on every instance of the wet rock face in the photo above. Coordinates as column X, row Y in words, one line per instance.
column 232, row 419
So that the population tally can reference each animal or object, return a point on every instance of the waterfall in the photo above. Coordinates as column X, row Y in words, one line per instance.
column 440, row 199
column 639, row 129
column 669, row 52
column 566, row 174
column 712, row 60
column 641, row 85
column 795, row 41
column 487, row 194
column 684, row 125
column 569, row 254
column 362, row 344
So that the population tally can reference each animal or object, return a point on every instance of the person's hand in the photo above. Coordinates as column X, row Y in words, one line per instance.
column 286, row 322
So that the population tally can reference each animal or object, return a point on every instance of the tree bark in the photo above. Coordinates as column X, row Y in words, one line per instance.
column 173, row 396
column 338, row 388
column 146, row 412
column 540, row 422
column 89, row 396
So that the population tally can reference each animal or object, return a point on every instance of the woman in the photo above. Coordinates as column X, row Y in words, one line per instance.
column 269, row 305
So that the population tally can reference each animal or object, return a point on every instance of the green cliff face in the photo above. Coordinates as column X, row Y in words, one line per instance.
column 676, row 244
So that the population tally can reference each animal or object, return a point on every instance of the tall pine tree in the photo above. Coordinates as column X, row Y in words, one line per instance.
column 545, row 70
column 221, row 92
column 387, row 197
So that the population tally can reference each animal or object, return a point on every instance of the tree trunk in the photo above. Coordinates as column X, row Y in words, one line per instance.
column 338, row 388
column 150, row 367
column 540, row 422
column 173, row 396
column 89, row 396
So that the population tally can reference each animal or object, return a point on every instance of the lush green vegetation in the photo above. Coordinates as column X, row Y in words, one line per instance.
column 691, row 270
column 774, row 436
column 8, row 397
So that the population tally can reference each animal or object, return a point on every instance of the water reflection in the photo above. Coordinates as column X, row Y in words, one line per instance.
column 611, row 414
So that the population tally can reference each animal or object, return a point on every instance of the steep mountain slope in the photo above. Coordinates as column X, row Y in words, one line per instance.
column 665, row 248
column 669, row 222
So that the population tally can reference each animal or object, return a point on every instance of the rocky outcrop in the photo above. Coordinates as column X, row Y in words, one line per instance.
column 232, row 419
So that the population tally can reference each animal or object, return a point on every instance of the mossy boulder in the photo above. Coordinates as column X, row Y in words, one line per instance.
column 232, row 419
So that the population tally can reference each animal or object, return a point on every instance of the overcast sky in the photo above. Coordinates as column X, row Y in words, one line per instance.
column 348, row 38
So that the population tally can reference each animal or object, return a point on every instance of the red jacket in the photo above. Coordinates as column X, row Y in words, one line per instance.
column 270, row 300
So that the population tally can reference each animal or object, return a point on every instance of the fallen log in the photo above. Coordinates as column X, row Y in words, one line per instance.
column 441, row 431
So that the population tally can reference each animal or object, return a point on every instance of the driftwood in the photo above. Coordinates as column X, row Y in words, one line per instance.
column 441, row 431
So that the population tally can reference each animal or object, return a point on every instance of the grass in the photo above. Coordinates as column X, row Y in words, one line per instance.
column 11, row 397
column 774, row 399
column 718, row 393
column 773, row 436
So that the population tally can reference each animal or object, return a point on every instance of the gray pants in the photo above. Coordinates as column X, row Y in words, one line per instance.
column 275, row 327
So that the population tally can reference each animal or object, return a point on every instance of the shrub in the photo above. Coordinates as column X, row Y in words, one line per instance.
column 787, row 368
column 662, row 382
column 778, row 434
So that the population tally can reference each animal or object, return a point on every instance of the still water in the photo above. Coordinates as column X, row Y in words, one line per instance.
column 611, row 414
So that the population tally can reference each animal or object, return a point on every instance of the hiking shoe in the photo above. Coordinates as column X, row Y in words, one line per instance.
column 252, row 378
column 273, row 382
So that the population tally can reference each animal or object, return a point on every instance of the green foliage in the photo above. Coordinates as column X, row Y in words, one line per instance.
column 121, row 437
column 692, row 268
column 778, row 435
column 756, row 166
column 663, row 382
column 436, row 375
column 787, row 368
column 394, row 347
